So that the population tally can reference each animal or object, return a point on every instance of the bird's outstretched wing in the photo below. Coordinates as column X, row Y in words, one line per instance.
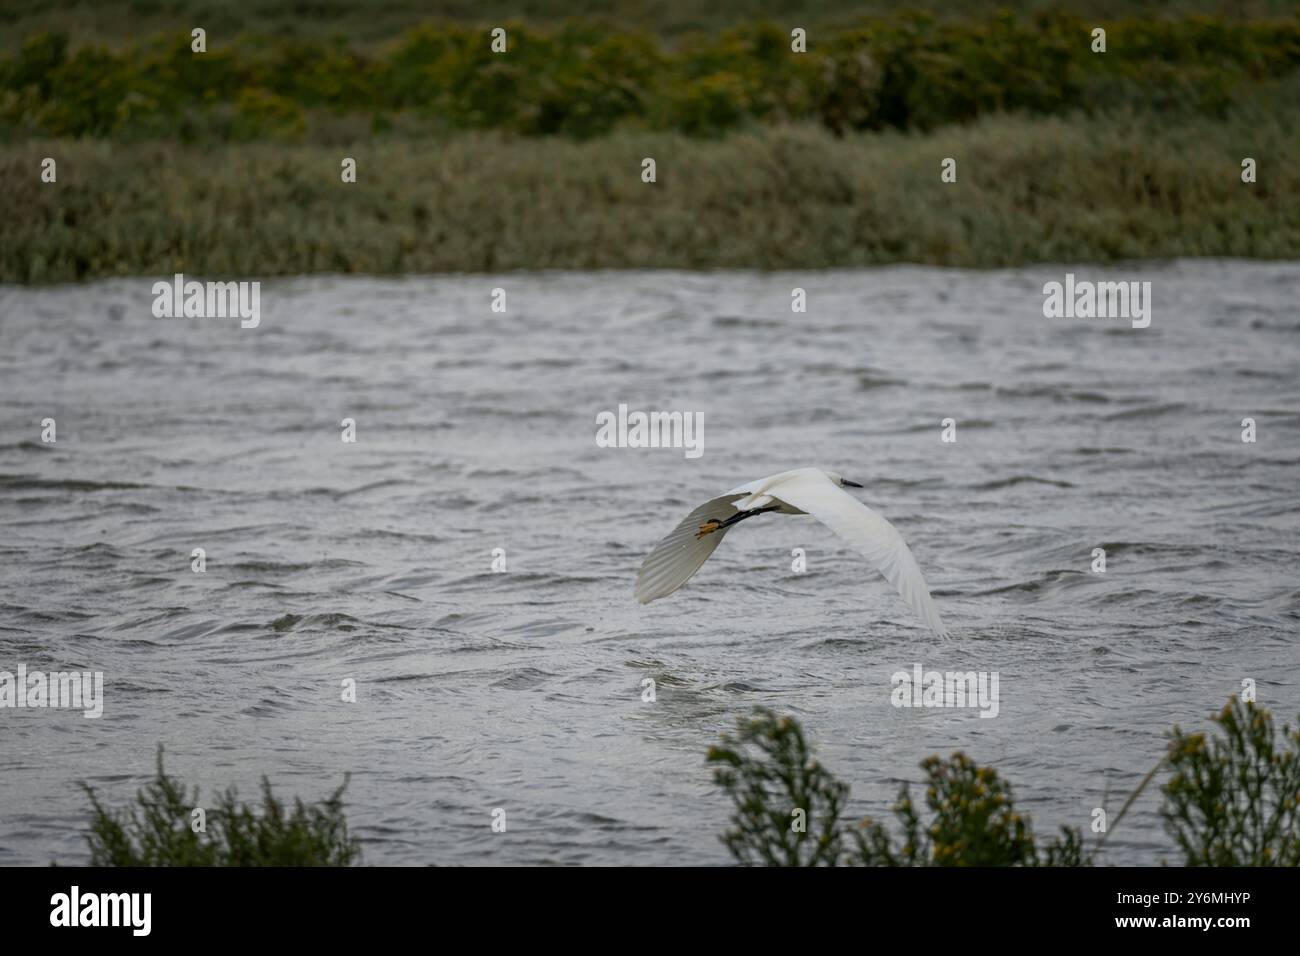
column 867, row 532
column 677, row 557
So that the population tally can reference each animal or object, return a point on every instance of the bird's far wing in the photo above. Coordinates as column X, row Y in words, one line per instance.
column 869, row 534
column 677, row 557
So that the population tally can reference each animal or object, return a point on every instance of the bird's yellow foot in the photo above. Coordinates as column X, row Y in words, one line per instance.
column 708, row 527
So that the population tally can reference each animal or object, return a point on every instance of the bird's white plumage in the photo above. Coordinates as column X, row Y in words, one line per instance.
column 802, row 491
column 677, row 557
column 812, row 491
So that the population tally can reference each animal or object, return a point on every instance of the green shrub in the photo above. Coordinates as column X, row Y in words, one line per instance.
column 157, row 831
column 261, row 114
column 41, row 56
column 973, row 823
column 1234, row 799
column 771, row 777
column 1231, row 801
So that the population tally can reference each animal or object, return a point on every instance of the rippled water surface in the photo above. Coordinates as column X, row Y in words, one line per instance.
column 522, row 690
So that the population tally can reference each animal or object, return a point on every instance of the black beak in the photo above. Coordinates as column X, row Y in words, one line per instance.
column 849, row 484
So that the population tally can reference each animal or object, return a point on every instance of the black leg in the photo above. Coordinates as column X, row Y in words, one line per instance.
column 742, row 515
column 713, row 524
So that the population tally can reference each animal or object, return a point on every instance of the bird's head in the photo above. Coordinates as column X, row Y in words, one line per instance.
column 841, row 480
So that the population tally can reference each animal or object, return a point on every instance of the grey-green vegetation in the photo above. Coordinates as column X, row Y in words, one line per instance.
column 228, row 162
column 1027, row 191
column 159, row 829
column 1232, row 799
column 788, row 810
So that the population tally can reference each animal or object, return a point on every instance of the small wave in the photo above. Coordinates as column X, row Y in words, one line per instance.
column 1146, row 411
column 525, row 679
column 1021, row 480
column 28, row 445
column 868, row 383
column 1049, row 581
column 744, row 322
column 1055, row 393
column 253, row 566
column 33, row 482
column 966, row 423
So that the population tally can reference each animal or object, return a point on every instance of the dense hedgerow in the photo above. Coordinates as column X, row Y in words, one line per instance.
column 904, row 71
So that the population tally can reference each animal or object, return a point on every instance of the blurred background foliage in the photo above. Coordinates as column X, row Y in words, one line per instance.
column 227, row 162
column 908, row 70
column 121, row 22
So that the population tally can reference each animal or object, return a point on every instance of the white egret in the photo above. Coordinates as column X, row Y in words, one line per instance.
column 809, row 491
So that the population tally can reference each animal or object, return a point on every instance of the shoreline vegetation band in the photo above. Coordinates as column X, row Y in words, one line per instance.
column 964, row 137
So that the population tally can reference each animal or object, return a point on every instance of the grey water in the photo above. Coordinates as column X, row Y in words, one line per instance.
column 372, row 561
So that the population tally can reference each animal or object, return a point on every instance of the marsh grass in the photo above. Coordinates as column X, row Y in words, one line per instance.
column 157, row 830
column 1028, row 190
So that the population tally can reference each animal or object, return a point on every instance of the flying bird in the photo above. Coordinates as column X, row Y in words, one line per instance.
column 803, row 491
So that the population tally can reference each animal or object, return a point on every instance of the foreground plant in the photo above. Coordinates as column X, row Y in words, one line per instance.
column 158, row 832
column 787, row 804
column 974, row 823
column 1234, row 800
column 788, row 810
